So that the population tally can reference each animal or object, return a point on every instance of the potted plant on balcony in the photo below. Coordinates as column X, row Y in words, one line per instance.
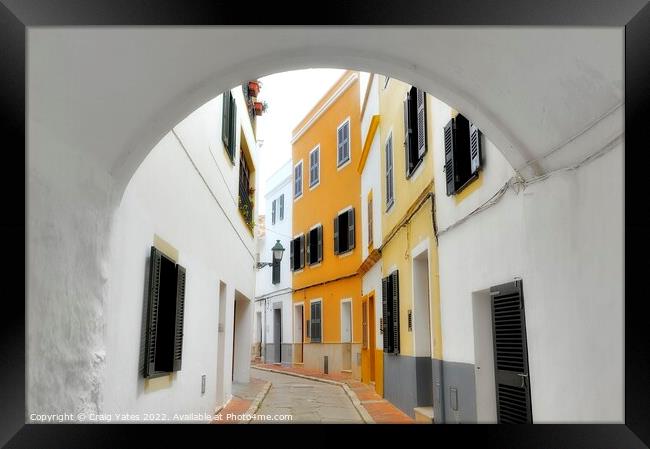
column 260, row 107
column 254, row 88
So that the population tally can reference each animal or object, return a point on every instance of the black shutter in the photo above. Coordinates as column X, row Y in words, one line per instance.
column 275, row 277
column 422, row 123
column 320, row 243
column 336, row 235
column 308, row 325
column 351, row 228
column 293, row 266
column 273, row 212
column 282, row 207
column 302, row 250
column 155, row 262
column 510, row 354
column 180, row 314
column 450, row 141
column 386, row 320
column 308, row 249
column 474, row 148
column 315, row 322
column 225, row 121
column 395, row 312
column 233, row 126
column 407, row 134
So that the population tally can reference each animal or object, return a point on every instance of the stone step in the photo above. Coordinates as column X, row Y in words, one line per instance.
column 423, row 415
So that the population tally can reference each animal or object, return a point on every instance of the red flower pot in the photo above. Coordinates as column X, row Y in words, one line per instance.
column 259, row 107
column 253, row 88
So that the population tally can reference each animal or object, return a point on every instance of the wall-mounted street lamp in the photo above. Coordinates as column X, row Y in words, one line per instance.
column 277, row 252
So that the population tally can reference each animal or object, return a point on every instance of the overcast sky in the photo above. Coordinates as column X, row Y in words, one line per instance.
column 290, row 95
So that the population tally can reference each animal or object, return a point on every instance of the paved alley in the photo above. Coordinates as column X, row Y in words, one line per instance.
column 307, row 401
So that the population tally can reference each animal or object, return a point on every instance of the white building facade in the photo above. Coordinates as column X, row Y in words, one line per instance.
column 371, row 235
column 548, row 252
column 184, row 200
column 273, row 320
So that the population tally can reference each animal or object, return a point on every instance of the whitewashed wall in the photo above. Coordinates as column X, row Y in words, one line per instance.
column 185, row 191
column 277, row 184
column 564, row 238
column 371, row 177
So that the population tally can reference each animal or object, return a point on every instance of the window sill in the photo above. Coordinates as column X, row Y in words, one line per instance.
column 342, row 165
column 412, row 173
column 313, row 186
column 296, row 198
column 315, row 265
column 346, row 254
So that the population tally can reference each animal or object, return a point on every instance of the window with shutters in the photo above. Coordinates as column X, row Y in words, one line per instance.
column 245, row 202
column 390, row 312
column 370, row 230
column 275, row 272
column 463, row 153
column 344, row 232
column 297, row 180
column 314, row 245
column 165, row 313
column 415, row 129
column 281, row 200
column 273, row 207
column 314, row 167
column 390, row 198
column 297, row 253
column 229, row 125
column 343, row 143
column 315, row 327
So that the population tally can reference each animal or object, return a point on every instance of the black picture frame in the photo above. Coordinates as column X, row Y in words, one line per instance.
column 634, row 15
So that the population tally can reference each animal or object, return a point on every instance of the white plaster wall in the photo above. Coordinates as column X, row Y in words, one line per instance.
column 564, row 238
column 372, row 281
column 183, row 192
column 371, row 176
column 278, row 183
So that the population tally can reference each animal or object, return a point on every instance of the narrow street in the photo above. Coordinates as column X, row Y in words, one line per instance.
column 307, row 401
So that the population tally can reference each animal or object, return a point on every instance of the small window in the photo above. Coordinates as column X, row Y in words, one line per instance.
column 343, row 144
column 282, row 207
column 344, row 232
column 275, row 276
column 389, row 172
column 165, row 312
column 273, row 212
column 463, row 153
column 298, row 253
column 315, row 245
column 314, row 167
column 370, row 238
column 229, row 124
column 297, row 180
column 415, row 129
column 390, row 312
column 315, row 322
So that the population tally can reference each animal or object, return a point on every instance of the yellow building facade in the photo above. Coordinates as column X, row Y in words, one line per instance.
column 411, row 329
column 325, row 250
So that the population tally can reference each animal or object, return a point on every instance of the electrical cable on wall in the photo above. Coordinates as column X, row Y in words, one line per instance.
column 518, row 184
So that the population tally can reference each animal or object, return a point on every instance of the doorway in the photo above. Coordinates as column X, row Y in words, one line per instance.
column 512, row 376
column 277, row 335
column 221, row 344
column 346, row 333
column 421, row 324
column 371, row 335
column 298, row 319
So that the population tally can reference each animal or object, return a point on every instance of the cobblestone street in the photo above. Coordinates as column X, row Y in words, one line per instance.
column 307, row 401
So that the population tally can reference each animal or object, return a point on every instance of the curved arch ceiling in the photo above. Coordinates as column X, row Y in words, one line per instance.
column 112, row 93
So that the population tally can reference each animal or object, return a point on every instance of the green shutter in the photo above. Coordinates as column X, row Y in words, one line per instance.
column 155, row 262
column 320, row 243
column 351, row 228
column 336, row 235
column 225, row 120
column 180, row 314
column 394, row 293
